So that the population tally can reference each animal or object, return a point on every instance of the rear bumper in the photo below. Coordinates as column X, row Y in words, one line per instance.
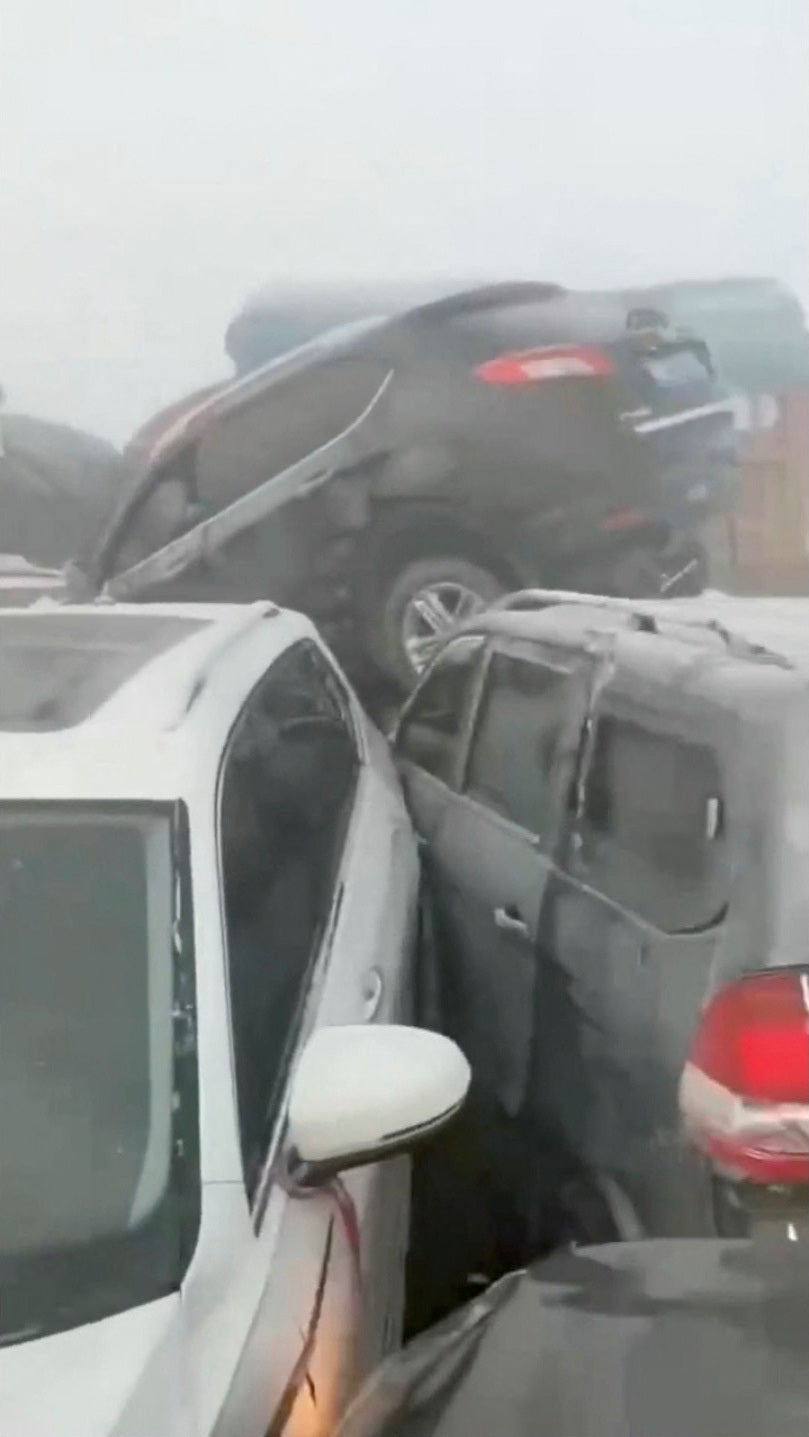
column 681, row 505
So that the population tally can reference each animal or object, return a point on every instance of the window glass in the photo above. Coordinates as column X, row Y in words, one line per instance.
column 287, row 788
column 89, row 1087
column 653, row 825
column 282, row 424
column 430, row 732
column 511, row 765
column 287, row 421
column 165, row 509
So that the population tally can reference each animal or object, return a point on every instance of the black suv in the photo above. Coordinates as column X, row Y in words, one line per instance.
column 615, row 799
column 399, row 474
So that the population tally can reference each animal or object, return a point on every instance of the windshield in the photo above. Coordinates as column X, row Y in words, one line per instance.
column 88, row 1103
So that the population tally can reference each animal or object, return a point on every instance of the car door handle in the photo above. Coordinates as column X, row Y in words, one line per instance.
column 508, row 920
column 371, row 994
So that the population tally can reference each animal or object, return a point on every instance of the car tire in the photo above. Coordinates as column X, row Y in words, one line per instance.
column 392, row 628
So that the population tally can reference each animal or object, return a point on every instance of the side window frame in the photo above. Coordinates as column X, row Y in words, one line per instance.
column 558, row 659
column 239, row 514
column 690, row 722
column 468, row 715
column 312, row 978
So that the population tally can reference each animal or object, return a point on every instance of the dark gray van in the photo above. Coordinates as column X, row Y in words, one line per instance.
column 615, row 798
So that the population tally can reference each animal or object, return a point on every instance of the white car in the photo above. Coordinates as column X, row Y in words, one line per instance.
column 208, row 906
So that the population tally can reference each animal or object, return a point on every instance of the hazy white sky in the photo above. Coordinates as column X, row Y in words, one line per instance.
column 159, row 158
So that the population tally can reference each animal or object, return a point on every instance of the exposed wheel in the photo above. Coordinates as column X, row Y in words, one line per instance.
column 425, row 601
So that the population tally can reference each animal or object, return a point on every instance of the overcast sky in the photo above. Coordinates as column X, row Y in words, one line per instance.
column 160, row 158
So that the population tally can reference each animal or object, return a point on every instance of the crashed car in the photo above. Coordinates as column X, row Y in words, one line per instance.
column 209, row 1087
column 398, row 474
column 615, row 805
column 657, row 1338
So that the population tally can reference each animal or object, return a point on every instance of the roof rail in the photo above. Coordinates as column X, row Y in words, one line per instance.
column 528, row 600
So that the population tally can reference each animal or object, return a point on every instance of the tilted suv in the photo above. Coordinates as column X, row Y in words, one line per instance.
column 398, row 474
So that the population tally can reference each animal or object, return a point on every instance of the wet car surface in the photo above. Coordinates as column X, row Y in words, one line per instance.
column 649, row 1339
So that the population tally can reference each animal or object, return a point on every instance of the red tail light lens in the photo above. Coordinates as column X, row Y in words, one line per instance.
column 744, row 1093
column 534, row 366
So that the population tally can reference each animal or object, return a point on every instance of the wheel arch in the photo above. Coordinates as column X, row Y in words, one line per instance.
column 398, row 538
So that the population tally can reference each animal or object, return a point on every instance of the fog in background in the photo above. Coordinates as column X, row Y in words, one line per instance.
column 160, row 158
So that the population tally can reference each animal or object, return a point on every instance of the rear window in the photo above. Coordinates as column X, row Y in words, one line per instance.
column 652, row 827
column 485, row 333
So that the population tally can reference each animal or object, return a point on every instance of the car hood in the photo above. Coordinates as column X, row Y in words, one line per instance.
column 652, row 1339
column 121, row 1377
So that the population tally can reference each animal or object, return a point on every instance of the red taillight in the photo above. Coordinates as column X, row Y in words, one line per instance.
column 533, row 366
column 744, row 1093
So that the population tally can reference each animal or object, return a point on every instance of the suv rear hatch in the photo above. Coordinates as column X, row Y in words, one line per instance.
column 581, row 388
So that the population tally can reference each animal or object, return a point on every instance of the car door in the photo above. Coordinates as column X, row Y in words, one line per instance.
column 493, row 852
column 633, row 926
column 430, row 738
column 279, row 1332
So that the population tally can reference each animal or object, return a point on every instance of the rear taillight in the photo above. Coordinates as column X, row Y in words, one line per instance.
column 744, row 1094
column 533, row 366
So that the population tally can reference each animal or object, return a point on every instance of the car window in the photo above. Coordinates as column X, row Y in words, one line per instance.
column 287, row 788
column 652, row 825
column 97, row 1100
column 282, row 425
column 430, row 734
column 162, row 511
column 511, row 764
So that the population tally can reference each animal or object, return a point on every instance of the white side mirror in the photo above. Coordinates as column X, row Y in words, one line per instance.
column 360, row 1094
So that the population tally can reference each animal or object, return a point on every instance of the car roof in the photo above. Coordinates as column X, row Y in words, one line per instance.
column 774, row 630
column 104, row 696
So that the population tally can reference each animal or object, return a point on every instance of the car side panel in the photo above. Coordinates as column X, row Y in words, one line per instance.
column 331, row 1264
column 616, row 1005
column 485, row 866
column 288, row 1306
